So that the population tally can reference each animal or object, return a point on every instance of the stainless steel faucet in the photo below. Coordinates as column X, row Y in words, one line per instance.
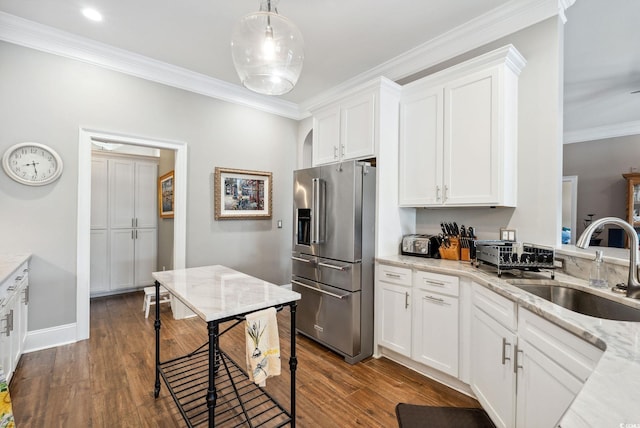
column 633, row 284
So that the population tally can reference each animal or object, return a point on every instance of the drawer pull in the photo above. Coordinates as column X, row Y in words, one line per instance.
column 393, row 275
column 436, row 283
column 434, row 299
column 300, row 259
column 337, row 296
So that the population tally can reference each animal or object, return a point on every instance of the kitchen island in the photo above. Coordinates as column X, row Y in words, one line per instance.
column 206, row 384
column 609, row 395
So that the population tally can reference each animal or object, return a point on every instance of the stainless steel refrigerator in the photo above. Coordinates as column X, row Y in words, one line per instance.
column 332, row 260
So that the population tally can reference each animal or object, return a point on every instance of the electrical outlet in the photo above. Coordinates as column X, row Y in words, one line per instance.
column 508, row 234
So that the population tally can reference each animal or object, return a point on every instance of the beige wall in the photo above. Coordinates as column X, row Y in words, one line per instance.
column 599, row 166
column 47, row 98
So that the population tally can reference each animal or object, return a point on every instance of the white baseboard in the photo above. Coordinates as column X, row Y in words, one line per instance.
column 50, row 337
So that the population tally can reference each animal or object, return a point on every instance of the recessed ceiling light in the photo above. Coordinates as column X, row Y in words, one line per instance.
column 92, row 14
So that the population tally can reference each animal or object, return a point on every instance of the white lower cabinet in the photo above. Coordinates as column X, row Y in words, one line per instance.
column 552, row 367
column 13, row 319
column 524, row 373
column 435, row 336
column 493, row 380
column 393, row 314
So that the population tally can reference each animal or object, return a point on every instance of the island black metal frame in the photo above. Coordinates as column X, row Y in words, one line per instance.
column 209, row 387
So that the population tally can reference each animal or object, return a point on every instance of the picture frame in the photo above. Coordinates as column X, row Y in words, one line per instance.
column 242, row 194
column 166, row 187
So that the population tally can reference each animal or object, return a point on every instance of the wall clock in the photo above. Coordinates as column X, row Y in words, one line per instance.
column 33, row 164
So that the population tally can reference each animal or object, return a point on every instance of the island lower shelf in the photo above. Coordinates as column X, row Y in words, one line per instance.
column 239, row 400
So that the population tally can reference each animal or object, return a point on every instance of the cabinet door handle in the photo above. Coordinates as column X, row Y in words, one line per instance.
column 136, row 233
column 26, row 295
column 10, row 321
column 437, row 193
column 335, row 152
column 516, row 365
column 444, row 193
column 406, row 299
column 7, row 331
column 132, row 234
column 434, row 299
column 342, row 149
column 504, row 351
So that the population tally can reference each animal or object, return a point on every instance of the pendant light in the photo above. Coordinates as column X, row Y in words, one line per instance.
column 267, row 51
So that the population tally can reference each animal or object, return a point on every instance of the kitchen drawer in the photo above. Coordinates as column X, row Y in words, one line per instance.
column 496, row 306
column 393, row 274
column 443, row 284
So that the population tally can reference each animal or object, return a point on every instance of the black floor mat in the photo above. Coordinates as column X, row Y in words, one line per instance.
column 413, row 416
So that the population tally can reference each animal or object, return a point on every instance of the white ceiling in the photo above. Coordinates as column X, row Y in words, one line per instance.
column 346, row 38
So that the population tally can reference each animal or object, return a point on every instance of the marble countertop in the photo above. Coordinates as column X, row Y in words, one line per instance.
column 217, row 292
column 9, row 263
column 609, row 398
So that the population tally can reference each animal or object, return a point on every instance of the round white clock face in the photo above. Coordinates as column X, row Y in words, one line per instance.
column 33, row 164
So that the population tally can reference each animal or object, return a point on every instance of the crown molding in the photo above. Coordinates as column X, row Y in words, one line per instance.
column 30, row 34
column 499, row 22
column 602, row 132
column 495, row 24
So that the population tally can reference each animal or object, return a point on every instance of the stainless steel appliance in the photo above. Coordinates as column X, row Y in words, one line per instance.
column 332, row 260
column 419, row 245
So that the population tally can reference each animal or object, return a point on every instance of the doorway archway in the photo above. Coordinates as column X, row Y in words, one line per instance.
column 86, row 138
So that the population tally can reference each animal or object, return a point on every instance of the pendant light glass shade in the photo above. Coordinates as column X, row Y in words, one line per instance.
column 267, row 51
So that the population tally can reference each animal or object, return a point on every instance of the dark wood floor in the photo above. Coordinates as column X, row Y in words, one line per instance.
column 107, row 381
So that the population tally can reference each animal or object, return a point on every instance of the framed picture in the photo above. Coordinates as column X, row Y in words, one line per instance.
column 165, row 195
column 242, row 194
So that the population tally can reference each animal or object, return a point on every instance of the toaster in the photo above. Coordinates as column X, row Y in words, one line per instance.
column 420, row 245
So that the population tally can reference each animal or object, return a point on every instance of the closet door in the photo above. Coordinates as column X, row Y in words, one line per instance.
column 146, row 249
column 146, row 194
column 122, row 258
column 122, row 193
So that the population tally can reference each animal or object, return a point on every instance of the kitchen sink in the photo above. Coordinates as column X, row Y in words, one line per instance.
column 580, row 301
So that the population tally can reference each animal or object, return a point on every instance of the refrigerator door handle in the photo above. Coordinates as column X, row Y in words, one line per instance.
column 318, row 211
column 337, row 296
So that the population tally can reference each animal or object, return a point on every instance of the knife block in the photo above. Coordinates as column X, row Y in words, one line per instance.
column 452, row 252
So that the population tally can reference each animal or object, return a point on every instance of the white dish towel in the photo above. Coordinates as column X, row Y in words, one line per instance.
column 263, row 345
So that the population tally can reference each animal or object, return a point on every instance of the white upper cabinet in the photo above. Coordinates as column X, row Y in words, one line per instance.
column 350, row 127
column 458, row 134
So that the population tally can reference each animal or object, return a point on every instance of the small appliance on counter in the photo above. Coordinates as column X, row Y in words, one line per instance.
column 507, row 255
column 420, row 245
